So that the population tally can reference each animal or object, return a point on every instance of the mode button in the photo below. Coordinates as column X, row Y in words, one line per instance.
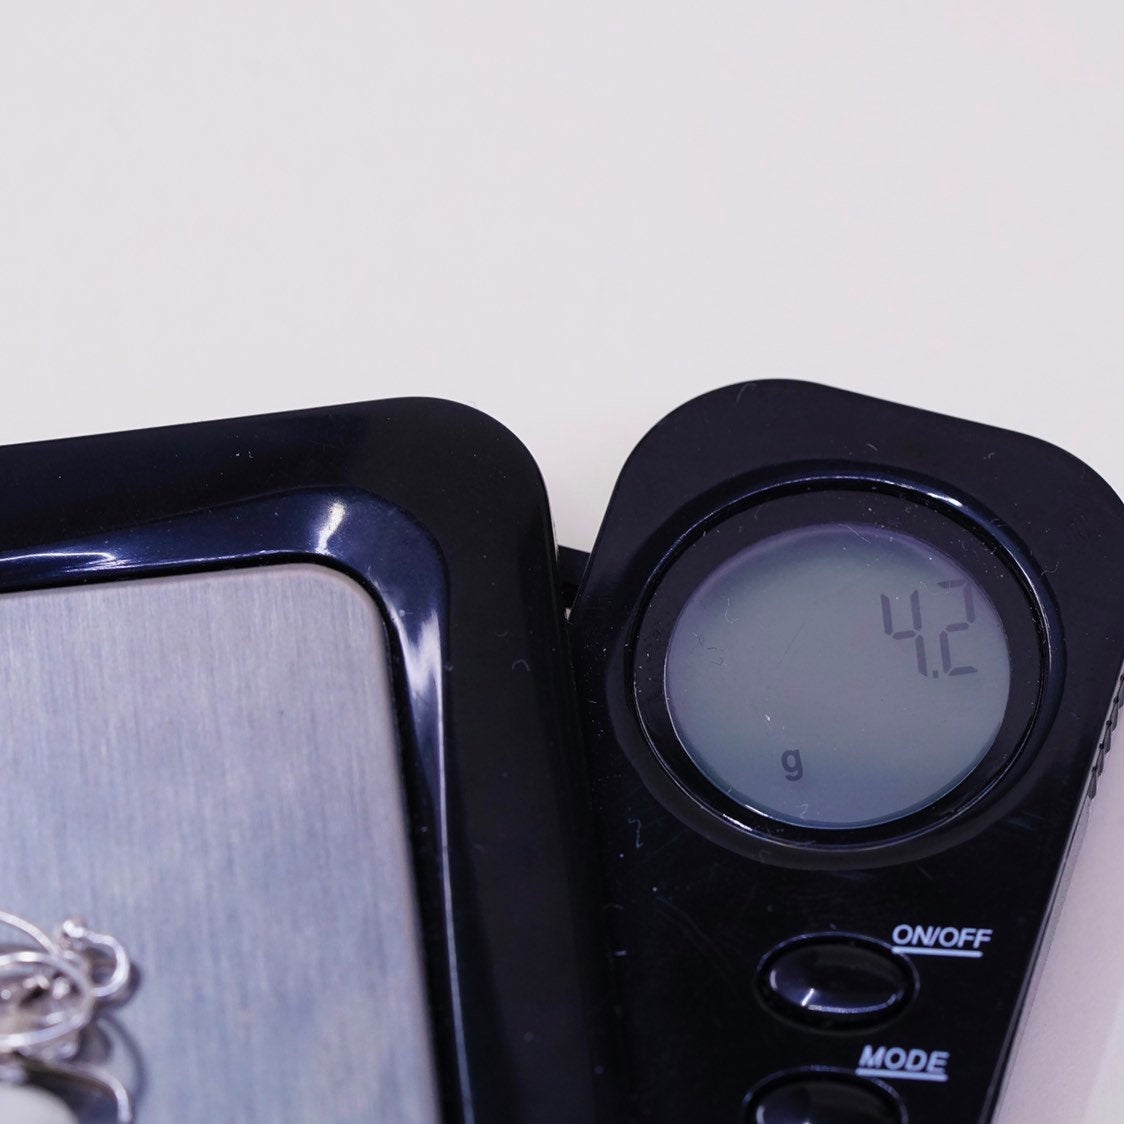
column 822, row 1097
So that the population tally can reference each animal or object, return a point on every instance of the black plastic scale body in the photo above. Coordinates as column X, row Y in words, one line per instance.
column 437, row 515
column 770, row 966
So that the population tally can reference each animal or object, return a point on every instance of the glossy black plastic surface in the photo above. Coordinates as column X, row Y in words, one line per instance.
column 837, row 980
column 440, row 513
column 695, row 903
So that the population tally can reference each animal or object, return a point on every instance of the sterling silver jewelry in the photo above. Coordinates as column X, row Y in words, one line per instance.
column 50, row 994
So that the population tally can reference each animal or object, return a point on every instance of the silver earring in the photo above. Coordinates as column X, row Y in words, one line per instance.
column 50, row 994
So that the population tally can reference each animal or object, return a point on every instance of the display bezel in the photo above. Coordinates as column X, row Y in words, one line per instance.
column 948, row 528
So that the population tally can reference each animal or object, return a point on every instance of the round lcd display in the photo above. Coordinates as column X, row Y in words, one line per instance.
column 837, row 675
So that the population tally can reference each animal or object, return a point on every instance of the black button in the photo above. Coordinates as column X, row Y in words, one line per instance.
column 837, row 980
column 816, row 1098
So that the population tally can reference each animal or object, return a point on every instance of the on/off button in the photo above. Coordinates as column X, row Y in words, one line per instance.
column 833, row 979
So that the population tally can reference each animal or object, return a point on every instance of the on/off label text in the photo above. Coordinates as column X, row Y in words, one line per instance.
column 941, row 940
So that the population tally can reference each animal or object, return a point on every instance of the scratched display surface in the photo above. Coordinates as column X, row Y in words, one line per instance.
column 206, row 766
column 838, row 675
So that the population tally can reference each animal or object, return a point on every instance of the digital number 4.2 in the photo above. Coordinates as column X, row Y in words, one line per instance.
column 916, row 632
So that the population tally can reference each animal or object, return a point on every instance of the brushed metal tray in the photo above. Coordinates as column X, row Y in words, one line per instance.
column 207, row 766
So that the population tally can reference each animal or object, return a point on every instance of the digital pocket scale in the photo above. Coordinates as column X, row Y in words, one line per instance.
column 769, row 832
column 848, row 674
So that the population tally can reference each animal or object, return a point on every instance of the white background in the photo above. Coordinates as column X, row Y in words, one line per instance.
column 574, row 216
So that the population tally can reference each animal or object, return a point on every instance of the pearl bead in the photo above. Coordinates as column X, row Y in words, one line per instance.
column 23, row 1104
